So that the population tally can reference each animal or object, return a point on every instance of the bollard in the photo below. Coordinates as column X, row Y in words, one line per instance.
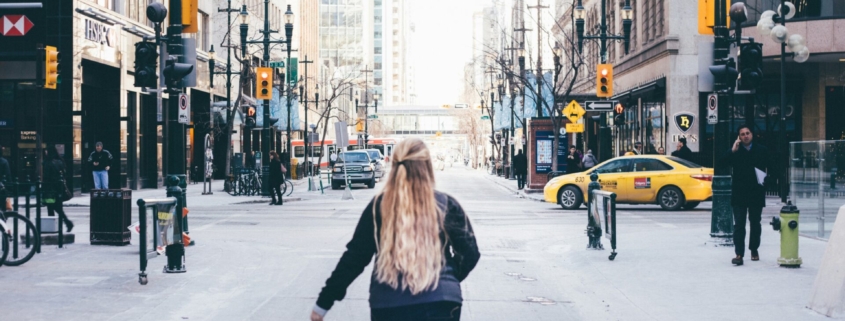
column 593, row 227
column 787, row 224
column 38, row 205
column 175, row 252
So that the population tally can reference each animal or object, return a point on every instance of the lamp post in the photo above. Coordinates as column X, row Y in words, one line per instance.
column 229, row 110
column 266, row 41
column 604, row 36
column 367, row 107
column 303, row 94
column 796, row 43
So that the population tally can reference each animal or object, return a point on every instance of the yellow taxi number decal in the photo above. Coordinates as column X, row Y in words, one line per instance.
column 579, row 179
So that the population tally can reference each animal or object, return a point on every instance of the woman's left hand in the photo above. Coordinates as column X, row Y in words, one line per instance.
column 315, row 316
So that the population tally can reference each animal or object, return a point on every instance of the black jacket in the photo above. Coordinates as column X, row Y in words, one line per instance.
column 573, row 163
column 276, row 177
column 520, row 164
column 745, row 190
column 53, row 185
column 460, row 260
column 102, row 158
column 684, row 153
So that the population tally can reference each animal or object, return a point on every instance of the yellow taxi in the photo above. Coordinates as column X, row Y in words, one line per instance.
column 670, row 182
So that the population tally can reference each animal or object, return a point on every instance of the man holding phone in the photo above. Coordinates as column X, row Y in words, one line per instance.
column 749, row 161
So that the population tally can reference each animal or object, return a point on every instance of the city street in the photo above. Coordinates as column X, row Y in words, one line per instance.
column 259, row 262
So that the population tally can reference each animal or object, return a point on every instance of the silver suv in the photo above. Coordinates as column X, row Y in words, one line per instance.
column 353, row 168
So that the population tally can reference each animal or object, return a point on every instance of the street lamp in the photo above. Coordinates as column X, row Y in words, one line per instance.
column 800, row 53
column 627, row 17
column 244, row 15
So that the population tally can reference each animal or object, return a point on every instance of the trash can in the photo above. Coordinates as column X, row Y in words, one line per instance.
column 111, row 215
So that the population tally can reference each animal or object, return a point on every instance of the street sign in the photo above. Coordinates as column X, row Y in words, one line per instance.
column 341, row 137
column 184, row 109
column 573, row 111
column 603, row 105
column 15, row 25
column 372, row 116
column 575, row 128
column 277, row 64
column 712, row 109
column 485, row 117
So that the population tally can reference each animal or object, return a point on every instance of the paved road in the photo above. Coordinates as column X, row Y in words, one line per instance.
column 261, row 262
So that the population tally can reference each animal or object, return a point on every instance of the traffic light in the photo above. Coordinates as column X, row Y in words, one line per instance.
column 146, row 60
column 724, row 76
column 493, row 140
column 51, row 67
column 604, row 81
column 359, row 126
column 250, row 117
column 264, row 83
column 750, row 65
column 174, row 72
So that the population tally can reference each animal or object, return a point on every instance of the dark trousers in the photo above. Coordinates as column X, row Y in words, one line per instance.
column 520, row 181
column 434, row 311
column 57, row 207
column 276, row 190
column 753, row 215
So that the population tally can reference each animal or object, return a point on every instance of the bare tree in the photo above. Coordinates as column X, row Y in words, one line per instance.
column 565, row 75
column 337, row 83
column 472, row 127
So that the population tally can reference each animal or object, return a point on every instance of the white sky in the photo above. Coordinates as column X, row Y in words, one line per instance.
column 442, row 45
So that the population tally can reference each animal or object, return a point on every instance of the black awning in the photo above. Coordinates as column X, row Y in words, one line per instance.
column 642, row 90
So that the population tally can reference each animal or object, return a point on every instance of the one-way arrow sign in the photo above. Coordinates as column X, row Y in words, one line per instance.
column 604, row 105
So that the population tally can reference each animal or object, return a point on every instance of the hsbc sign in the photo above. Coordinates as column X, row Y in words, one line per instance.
column 99, row 32
column 15, row 25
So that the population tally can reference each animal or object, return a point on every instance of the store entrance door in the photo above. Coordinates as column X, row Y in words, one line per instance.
column 101, row 120
column 834, row 110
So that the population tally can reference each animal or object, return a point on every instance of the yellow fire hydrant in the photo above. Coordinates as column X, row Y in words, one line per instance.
column 787, row 224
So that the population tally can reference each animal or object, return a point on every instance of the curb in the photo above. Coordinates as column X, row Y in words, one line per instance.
column 513, row 190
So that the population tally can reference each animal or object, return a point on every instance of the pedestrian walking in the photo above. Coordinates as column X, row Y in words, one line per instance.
column 520, row 168
column 573, row 163
column 682, row 151
column 54, row 187
column 423, row 243
column 100, row 160
column 277, row 178
column 589, row 160
column 749, row 162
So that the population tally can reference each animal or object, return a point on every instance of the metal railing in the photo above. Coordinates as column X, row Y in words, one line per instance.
column 156, row 218
column 817, row 184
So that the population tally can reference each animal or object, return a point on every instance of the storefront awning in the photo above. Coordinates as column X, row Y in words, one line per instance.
column 641, row 90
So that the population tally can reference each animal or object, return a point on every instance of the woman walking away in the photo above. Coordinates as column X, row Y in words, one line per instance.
column 277, row 178
column 423, row 243
column 54, row 185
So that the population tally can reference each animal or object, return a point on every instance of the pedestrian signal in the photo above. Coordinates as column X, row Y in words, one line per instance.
column 359, row 126
column 51, row 67
column 174, row 72
column 750, row 65
column 250, row 117
column 264, row 86
column 604, row 80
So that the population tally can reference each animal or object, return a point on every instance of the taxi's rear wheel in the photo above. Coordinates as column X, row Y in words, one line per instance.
column 670, row 198
column 570, row 198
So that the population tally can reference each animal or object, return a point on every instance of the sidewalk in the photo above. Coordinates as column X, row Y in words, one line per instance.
column 194, row 194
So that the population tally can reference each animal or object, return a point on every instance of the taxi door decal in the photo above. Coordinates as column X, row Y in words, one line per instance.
column 642, row 183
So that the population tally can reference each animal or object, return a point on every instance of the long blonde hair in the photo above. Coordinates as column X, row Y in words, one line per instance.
column 409, row 244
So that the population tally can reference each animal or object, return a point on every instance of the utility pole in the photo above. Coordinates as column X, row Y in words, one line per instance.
column 539, row 75
column 304, row 98
column 230, row 111
column 721, row 219
column 366, row 102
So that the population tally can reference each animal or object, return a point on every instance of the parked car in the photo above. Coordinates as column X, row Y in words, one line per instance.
column 353, row 168
column 378, row 160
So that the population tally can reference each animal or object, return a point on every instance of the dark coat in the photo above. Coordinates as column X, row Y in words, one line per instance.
column 459, row 249
column 53, row 185
column 685, row 153
column 573, row 163
column 276, row 176
column 102, row 158
column 520, row 164
column 745, row 191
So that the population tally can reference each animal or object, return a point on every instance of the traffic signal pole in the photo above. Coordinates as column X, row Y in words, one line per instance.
column 721, row 220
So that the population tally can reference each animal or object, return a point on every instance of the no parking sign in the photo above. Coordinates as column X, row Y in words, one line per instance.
column 184, row 109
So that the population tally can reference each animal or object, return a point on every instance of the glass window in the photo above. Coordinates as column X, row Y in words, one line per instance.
column 354, row 157
column 617, row 166
column 299, row 151
column 650, row 165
